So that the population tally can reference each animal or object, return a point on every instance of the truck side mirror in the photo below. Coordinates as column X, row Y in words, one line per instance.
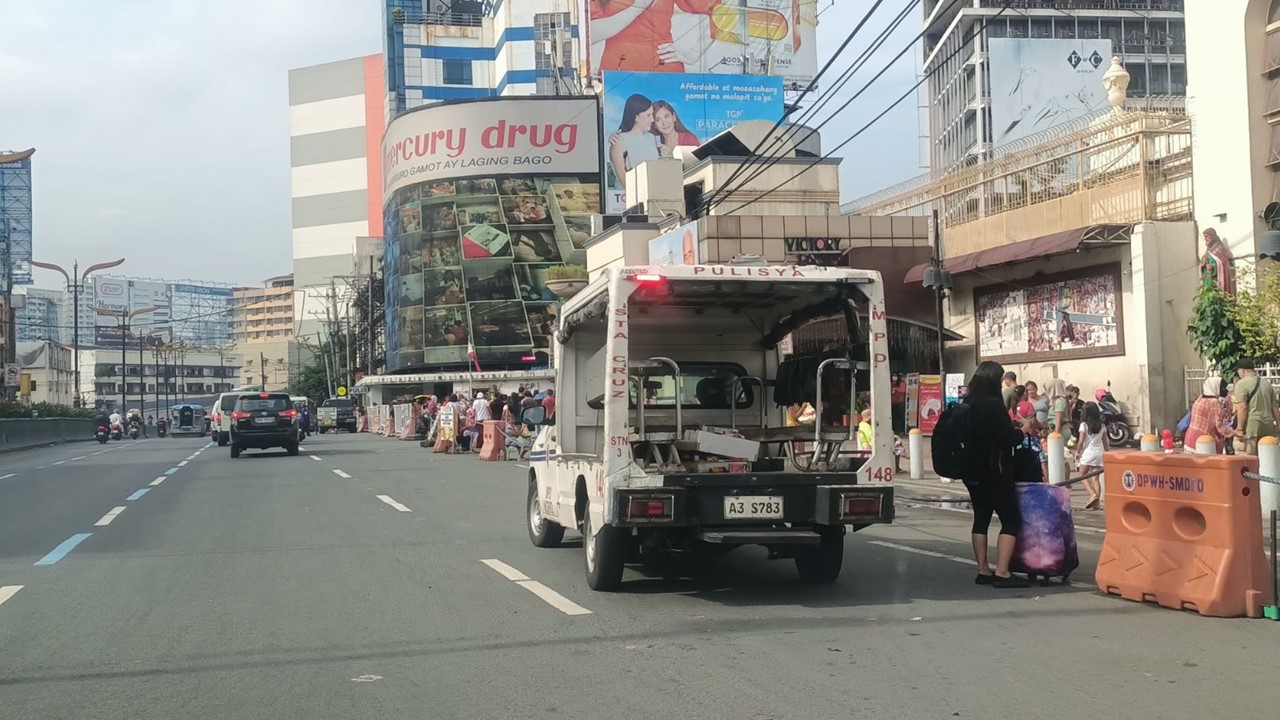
column 535, row 416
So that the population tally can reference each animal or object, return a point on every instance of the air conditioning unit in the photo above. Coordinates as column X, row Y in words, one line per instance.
column 440, row 7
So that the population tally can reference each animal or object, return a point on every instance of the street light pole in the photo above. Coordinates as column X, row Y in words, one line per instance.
column 76, row 281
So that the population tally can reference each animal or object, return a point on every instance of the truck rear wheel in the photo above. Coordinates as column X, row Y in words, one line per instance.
column 821, row 565
column 542, row 532
column 604, row 551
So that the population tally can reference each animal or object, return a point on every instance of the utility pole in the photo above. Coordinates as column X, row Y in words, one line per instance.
column 369, row 305
column 937, row 279
column 262, row 365
column 76, row 282
column 10, row 318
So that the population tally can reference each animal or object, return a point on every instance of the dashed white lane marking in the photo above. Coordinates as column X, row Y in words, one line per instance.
column 316, row 458
column 183, row 463
column 79, row 457
column 105, row 520
column 7, row 476
column 60, row 462
column 919, row 551
column 170, row 471
column 544, row 593
column 523, row 465
column 506, row 570
column 387, row 499
column 302, row 448
column 339, row 473
column 8, row 591
column 158, row 480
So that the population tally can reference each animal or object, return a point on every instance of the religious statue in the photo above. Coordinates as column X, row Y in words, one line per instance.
column 1116, row 82
column 1216, row 266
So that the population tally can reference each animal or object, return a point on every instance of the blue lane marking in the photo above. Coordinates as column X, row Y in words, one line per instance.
column 138, row 494
column 61, row 551
column 170, row 471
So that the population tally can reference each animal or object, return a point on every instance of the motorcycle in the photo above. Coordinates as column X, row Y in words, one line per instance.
column 135, row 430
column 101, row 434
column 162, row 428
column 1118, row 431
column 117, row 432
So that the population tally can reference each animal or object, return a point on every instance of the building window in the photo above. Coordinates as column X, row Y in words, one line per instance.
column 457, row 72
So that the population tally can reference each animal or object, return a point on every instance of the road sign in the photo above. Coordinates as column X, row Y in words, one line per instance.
column 342, row 391
column 12, row 375
column 359, row 390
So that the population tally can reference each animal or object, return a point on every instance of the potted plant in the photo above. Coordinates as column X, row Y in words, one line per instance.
column 566, row 280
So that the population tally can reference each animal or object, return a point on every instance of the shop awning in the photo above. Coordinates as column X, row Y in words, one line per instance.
column 1044, row 246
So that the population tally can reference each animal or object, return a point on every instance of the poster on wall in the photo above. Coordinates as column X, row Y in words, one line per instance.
column 1038, row 83
column 675, row 247
column 771, row 37
column 1072, row 315
column 483, row 199
column 953, row 386
column 648, row 115
column 929, row 403
column 913, row 400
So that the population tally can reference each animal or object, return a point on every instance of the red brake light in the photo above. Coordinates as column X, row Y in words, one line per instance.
column 289, row 413
column 649, row 278
column 241, row 415
column 263, row 395
column 861, row 505
column 649, row 508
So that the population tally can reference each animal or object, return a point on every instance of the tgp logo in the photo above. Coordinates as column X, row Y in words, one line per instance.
column 1128, row 481
column 110, row 289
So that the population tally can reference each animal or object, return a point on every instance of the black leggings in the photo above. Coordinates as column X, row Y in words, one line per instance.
column 999, row 498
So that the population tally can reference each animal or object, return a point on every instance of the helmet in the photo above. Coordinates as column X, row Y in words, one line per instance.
column 1099, row 394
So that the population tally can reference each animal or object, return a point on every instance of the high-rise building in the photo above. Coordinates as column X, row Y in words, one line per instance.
column 336, row 117
column 41, row 317
column 1019, row 75
column 263, row 314
column 463, row 49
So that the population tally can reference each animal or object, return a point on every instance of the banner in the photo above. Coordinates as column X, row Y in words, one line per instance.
column 484, row 138
column 1069, row 315
column 1038, row 83
column 648, row 115
column 676, row 247
column 757, row 37
column 929, row 404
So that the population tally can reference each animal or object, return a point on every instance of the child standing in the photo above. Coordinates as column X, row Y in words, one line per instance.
column 1089, row 449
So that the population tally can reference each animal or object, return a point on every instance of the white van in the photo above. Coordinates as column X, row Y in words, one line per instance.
column 667, row 438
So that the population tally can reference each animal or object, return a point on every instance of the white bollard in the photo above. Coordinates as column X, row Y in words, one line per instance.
column 1269, row 466
column 915, row 453
column 1150, row 443
column 1057, row 459
column 1206, row 446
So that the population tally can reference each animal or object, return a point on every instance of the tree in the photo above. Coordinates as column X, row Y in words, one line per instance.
column 312, row 378
column 1224, row 329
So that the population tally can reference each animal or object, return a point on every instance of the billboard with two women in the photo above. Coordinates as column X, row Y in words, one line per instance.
column 648, row 115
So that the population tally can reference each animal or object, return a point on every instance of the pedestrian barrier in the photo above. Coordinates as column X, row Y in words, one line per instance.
column 1184, row 531
column 494, row 443
column 390, row 426
column 375, row 421
column 404, row 419
column 22, row 433
column 363, row 424
column 409, row 428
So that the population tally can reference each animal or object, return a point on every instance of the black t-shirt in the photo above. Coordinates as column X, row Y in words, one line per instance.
column 992, row 421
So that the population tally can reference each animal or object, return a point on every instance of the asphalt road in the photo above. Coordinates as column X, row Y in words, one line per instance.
column 370, row 579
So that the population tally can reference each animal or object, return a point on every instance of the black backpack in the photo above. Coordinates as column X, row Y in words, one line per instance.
column 954, row 444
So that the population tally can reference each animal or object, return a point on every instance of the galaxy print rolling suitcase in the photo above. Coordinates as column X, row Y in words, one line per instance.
column 1047, row 543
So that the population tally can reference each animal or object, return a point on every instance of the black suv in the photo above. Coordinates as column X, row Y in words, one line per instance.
column 264, row 420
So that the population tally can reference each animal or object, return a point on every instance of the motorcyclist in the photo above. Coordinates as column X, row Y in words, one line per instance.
column 116, row 418
column 100, row 419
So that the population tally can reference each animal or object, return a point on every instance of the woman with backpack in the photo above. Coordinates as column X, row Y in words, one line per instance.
column 990, row 481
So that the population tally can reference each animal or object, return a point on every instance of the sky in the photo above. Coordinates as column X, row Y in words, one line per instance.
column 161, row 126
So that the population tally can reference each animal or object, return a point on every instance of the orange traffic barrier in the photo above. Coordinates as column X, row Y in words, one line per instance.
column 1184, row 531
column 495, row 443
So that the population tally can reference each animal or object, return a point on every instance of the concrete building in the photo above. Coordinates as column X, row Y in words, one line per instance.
column 157, row 377
column 1148, row 34
column 48, row 372
column 463, row 49
column 262, row 332
column 1084, row 270
column 336, row 119
column 41, row 318
column 1234, row 103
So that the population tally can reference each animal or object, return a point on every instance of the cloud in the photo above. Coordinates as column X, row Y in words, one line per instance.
column 161, row 128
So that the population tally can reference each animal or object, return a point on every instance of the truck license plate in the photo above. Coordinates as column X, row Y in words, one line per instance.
column 753, row 507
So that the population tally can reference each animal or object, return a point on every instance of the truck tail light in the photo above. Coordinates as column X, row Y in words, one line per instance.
column 289, row 413
column 650, row 508
column 859, row 505
column 649, row 278
column 241, row 415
